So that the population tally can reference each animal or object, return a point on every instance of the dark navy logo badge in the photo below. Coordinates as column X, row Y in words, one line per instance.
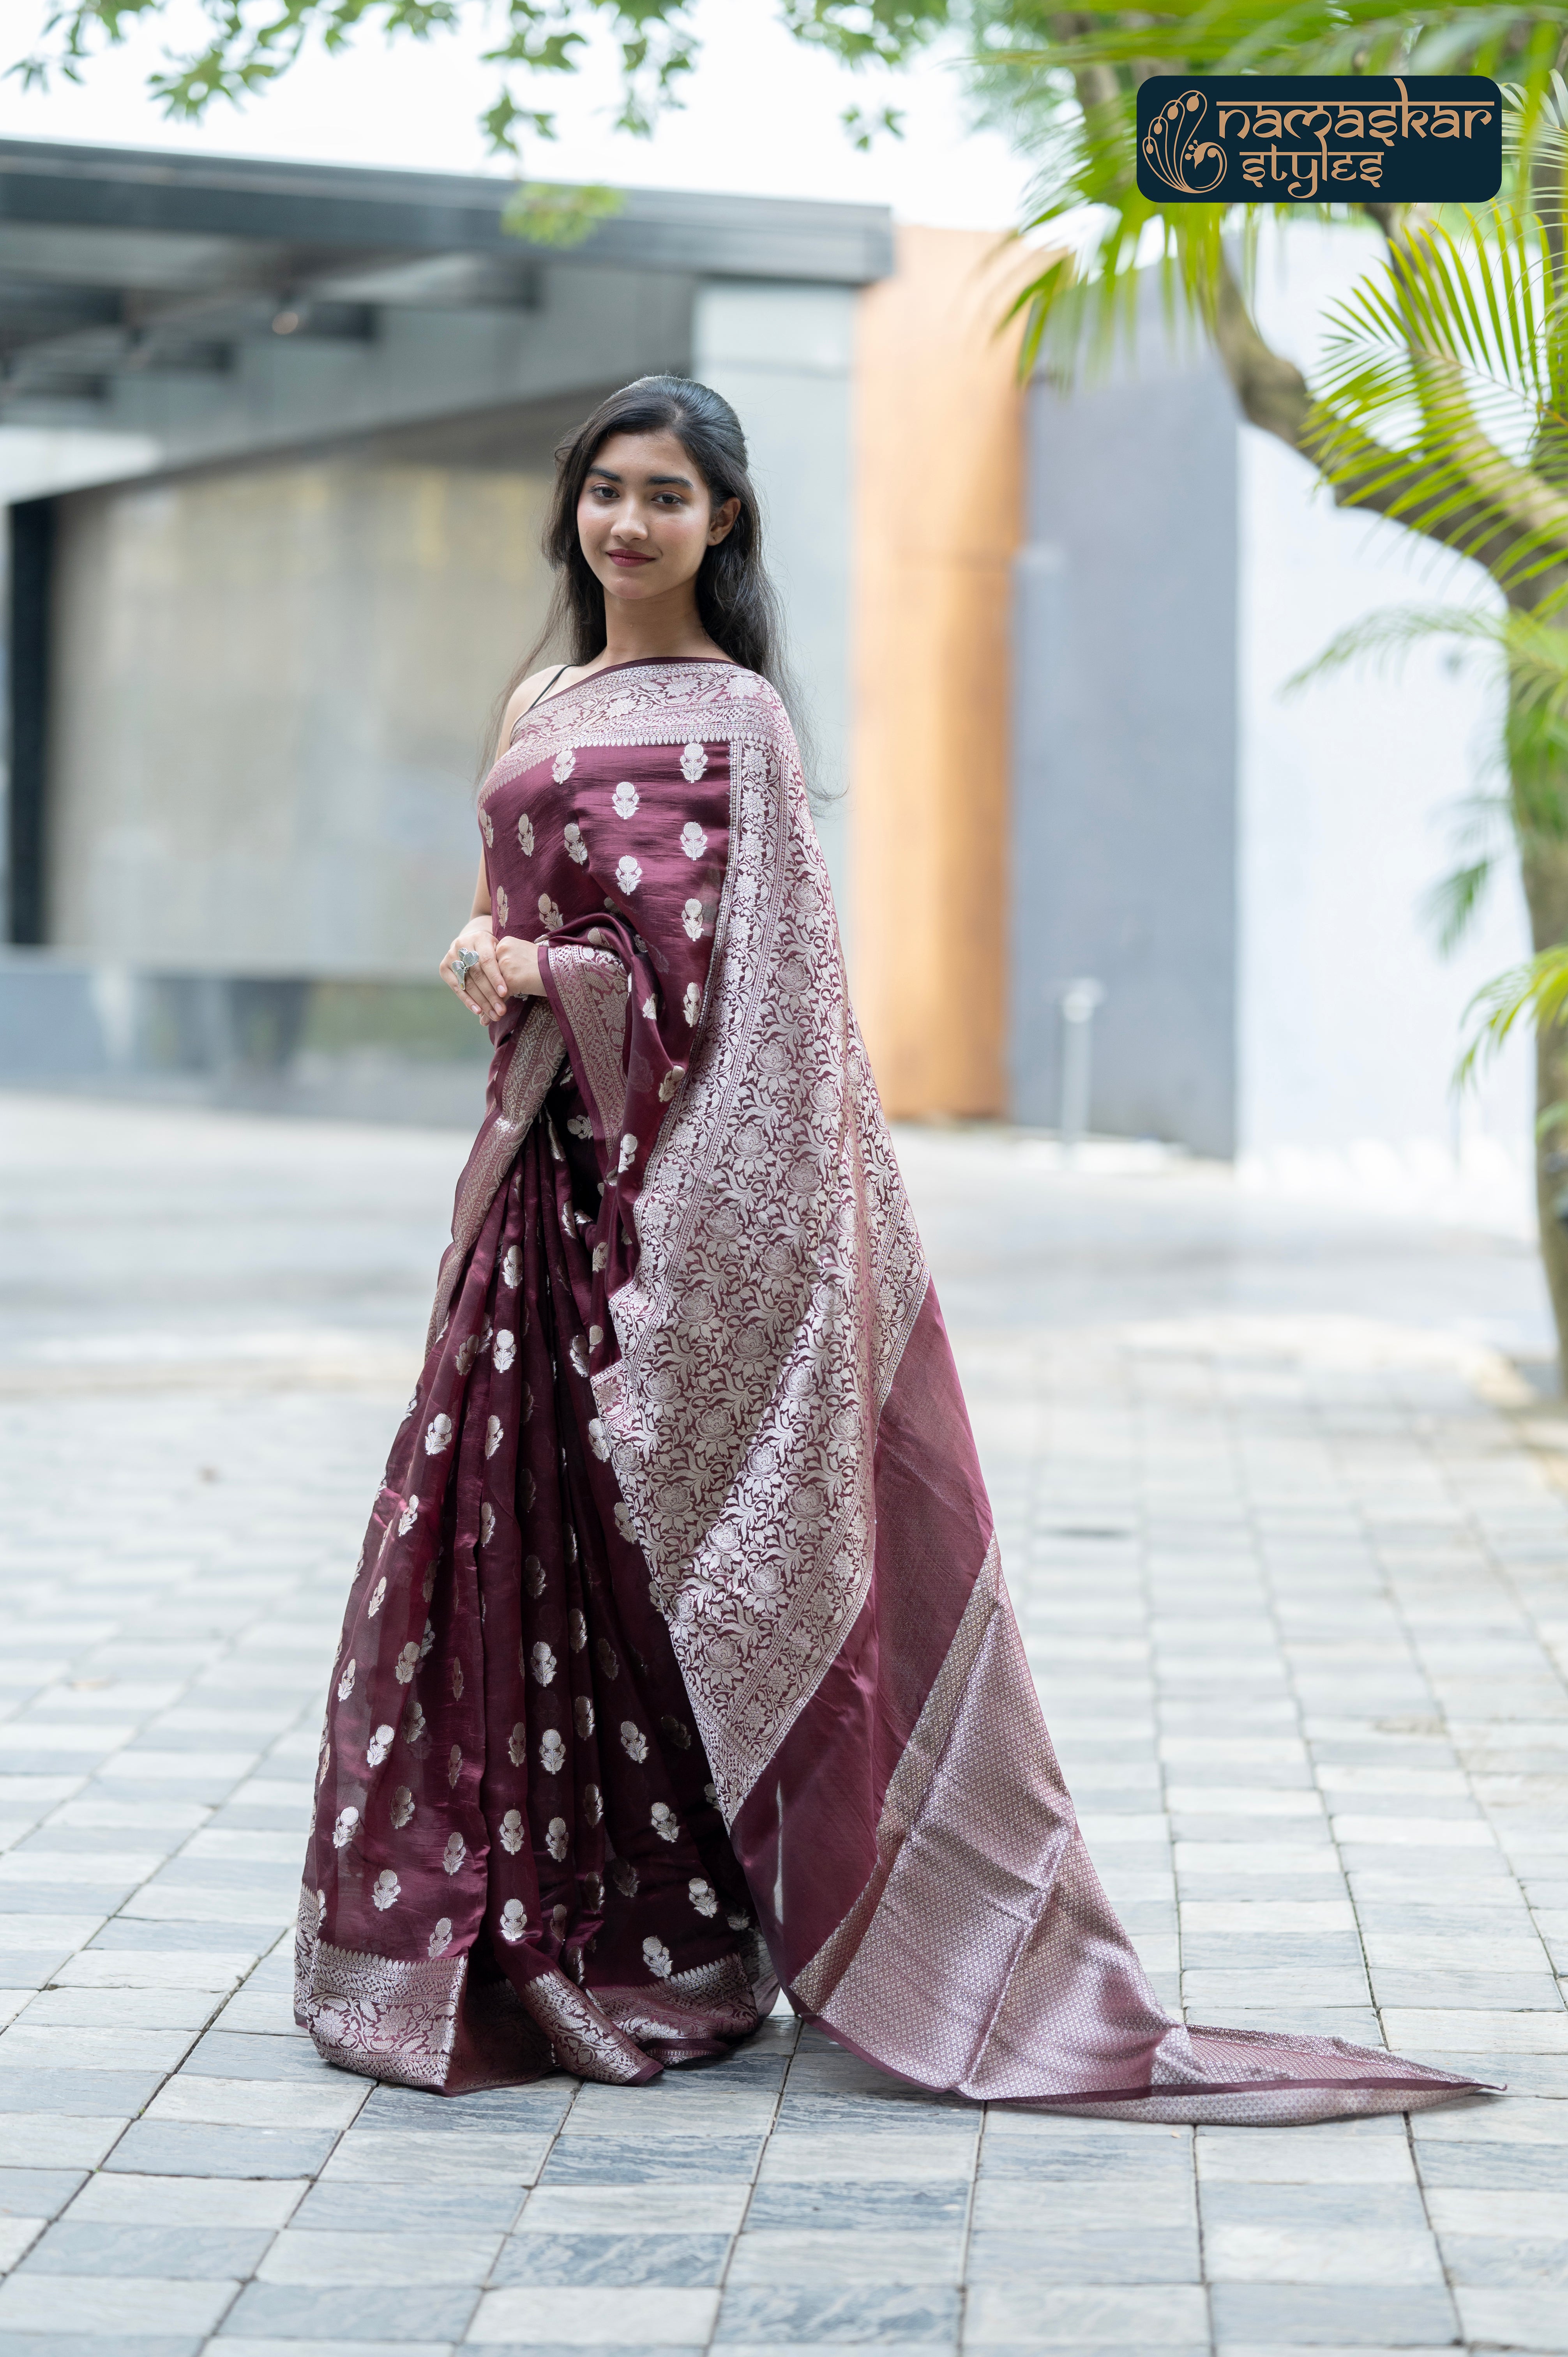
column 1265, row 139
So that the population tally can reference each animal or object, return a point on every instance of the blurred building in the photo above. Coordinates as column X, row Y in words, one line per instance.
column 276, row 442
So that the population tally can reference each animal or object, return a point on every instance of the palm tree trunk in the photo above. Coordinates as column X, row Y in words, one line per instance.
column 1545, row 872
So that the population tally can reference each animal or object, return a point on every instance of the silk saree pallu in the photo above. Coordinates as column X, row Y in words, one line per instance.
column 678, row 1662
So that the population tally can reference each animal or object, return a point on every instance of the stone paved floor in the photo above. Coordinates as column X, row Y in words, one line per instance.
column 1288, row 1542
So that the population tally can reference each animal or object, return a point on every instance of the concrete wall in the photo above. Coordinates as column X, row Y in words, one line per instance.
column 1124, row 748
column 783, row 357
column 268, row 692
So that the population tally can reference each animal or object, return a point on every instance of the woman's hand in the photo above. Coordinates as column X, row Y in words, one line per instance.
column 483, row 989
column 518, row 963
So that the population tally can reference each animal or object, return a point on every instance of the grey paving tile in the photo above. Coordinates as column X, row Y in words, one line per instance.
column 1107, row 2255
column 245, row 2344
column 125, row 2199
column 606, row 2160
column 534, row 2109
column 846, row 2205
column 38, row 2192
column 124, row 2308
column 345, row 2207
column 91, row 2248
column 361, row 2312
column 356, row 2256
column 1143, row 2317
column 91, row 2344
column 225, row 2054
column 153, row 2147
column 866, row 2311
column 628, row 2258
column 1346, row 2314
column 86, row 2094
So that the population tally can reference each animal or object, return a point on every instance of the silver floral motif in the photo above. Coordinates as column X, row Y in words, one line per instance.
column 633, row 1741
column 343, row 1831
column 657, row 1957
column 608, row 1660
column 664, row 1821
column 578, row 1354
column 593, row 1804
column 525, row 836
column 437, row 1434
column 693, row 761
column 441, row 1937
column 454, row 1766
column 549, row 916
column 576, row 1630
column 379, row 1744
column 407, row 1519
column 628, row 1150
column 670, row 1082
column 494, row 1436
column 551, row 1752
column 651, row 1008
column 555, row 1838
column 512, row 1832
column 583, row 1712
column 628, row 873
column 562, row 767
column 502, row 912
column 487, row 1523
column 693, row 841
column 386, row 1888
column 511, row 1266
column 597, row 1440
column 504, row 1349
column 625, row 800
column 378, row 1598
column 623, row 1522
column 692, row 918
column 487, row 829
column 691, row 1002
column 517, row 1744
column 456, row 1851
column 533, row 1575
column 402, row 1809
column 576, row 849
column 406, row 1663
column 346, row 1684
column 702, row 1896
column 514, row 1921
column 623, row 1874
column 542, row 1661
column 414, row 1726
column 601, row 1258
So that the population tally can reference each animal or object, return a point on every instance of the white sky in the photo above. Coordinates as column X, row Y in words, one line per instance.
column 761, row 117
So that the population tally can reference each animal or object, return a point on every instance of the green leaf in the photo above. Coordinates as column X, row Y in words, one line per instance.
column 543, row 214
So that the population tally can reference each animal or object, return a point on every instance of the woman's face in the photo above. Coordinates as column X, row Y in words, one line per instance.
column 645, row 517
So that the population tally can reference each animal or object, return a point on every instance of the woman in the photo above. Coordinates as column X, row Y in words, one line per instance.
column 678, row 1662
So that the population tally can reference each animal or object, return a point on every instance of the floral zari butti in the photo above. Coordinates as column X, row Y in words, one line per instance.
column 678, row 1662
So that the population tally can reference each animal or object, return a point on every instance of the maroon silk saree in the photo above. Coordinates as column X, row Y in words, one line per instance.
column 678, row 1662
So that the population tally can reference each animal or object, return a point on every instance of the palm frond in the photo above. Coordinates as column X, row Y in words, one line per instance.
column 1537, row 990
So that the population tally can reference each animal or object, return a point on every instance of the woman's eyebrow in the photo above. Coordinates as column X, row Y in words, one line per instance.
column 684, row 481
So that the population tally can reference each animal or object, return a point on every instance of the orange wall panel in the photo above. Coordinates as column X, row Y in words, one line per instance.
column 939, row 437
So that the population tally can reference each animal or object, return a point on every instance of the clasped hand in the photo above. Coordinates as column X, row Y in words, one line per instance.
column 508, row 968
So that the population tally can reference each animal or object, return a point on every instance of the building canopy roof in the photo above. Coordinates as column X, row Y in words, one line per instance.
column 122, row 261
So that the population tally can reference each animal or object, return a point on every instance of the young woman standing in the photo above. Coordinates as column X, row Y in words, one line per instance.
column 678, row 1662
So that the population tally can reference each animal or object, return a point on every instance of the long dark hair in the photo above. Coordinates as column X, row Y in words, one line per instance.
column 736, row 603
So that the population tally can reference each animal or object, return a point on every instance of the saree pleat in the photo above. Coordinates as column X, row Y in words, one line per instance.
column 679, row 1662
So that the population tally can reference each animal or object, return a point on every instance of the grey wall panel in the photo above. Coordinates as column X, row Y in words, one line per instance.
column 783, row 356
column 1125, row 753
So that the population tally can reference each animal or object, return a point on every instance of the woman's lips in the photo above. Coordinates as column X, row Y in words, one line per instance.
column 628, row 556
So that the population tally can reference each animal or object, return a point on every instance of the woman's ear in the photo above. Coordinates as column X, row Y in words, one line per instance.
column 721, row 521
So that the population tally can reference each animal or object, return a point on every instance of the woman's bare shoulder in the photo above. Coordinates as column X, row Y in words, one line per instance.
column 528, row 693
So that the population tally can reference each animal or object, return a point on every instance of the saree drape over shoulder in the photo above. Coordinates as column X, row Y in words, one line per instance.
column 678, row 1663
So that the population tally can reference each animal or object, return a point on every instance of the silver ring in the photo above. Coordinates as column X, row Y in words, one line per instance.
column 463, row 965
